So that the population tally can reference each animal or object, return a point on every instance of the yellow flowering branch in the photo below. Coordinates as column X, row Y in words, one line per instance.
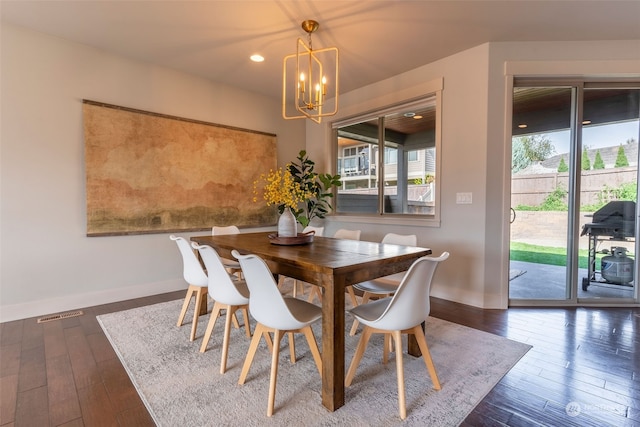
column 279, row 188
column 299, row 188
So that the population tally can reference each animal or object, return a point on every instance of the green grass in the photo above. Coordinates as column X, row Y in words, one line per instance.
column 546, row 255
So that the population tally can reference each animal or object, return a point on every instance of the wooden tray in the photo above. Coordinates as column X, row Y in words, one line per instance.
column 300, row 239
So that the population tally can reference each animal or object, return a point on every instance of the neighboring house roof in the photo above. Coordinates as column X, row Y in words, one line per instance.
column 536, row 168
column 608, row 154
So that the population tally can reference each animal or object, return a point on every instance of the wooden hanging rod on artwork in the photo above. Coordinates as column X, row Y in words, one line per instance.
column 167, row 116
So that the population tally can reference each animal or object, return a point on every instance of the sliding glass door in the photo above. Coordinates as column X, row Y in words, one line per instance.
column 574, row 192
column 542, row 122
column 608, row 193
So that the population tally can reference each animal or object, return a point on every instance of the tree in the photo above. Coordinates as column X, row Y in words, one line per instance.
column 562, row 167
column 527, row 150
column 586, row 163
column 621, row 159
column 598, row 163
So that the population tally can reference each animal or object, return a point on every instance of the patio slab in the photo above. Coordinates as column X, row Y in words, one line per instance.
column 542, row 281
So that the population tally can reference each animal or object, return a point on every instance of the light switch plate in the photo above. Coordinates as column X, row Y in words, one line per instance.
column 464, row 198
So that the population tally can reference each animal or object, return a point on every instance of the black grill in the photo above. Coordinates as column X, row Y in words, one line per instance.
column 615, row 219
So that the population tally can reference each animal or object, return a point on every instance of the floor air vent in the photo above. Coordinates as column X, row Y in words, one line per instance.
column 60, row 316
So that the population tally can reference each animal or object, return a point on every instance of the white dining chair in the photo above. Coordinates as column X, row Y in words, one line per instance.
column 344, row 233
column 387, row 285
column 275, row 314
column 197, row 279
column 232, row 266
column 229, row 294
column 401, row 314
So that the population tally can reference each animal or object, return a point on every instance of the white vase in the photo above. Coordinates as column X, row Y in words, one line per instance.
column 287, row 224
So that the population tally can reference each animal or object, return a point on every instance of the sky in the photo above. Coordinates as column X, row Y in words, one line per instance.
column 597, row 136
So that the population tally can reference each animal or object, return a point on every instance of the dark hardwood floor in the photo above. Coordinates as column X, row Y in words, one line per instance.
column 65, row 372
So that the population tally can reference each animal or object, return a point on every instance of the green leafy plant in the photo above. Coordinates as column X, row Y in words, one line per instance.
column 626, row 191
column 555, row 201
column 318, row 187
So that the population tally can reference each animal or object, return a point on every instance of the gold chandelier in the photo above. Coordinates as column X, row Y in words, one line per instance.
column 308, row 80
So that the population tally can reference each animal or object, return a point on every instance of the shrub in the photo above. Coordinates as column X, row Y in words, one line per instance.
column 621, row 159
column 555, row 201
column 586, row 163
column 562, row 167
column 598, row 163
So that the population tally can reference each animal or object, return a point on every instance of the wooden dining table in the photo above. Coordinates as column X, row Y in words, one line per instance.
column 332, row 264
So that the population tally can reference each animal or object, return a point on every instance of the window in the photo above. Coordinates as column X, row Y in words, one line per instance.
column 387, row 161
column 390, row 155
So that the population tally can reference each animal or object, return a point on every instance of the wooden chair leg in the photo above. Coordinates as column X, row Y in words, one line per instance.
column 354, row 327
column 292, row 347
column 426, row 355
column 196, row 314
column 267, row 338
column 185, row 304
column 225, row 339
column 352, row 294
column 247, row 325
column 313, row 346
column 400, row 370
column 315, row 292
column 215, row 313
column 235, row 271
column 260, row 329
column 365, row 298
column 385, row 348
column 235, row 320
column 277, row 336
column 362, row 345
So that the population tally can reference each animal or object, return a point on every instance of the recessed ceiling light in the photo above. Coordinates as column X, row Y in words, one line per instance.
column 257, row 58
column 586, row 122
column 409, row 114
column 522, row 126
column 417, row 117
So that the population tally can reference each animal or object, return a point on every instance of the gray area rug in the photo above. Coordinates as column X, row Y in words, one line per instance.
column 181, row 386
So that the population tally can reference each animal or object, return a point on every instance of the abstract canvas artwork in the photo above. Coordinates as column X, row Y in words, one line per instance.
column 154, row 173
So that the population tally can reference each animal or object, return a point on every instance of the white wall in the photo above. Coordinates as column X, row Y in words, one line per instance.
column 476, row 154
column 47, row 264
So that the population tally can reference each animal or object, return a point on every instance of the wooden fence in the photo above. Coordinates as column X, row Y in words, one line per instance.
column 532, row 190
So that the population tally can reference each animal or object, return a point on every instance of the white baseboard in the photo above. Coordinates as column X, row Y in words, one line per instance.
column 73, row 302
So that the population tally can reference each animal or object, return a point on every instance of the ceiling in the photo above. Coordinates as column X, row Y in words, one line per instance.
column 377, row 39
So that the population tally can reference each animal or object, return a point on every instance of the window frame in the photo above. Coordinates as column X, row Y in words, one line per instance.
column 431, row 219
